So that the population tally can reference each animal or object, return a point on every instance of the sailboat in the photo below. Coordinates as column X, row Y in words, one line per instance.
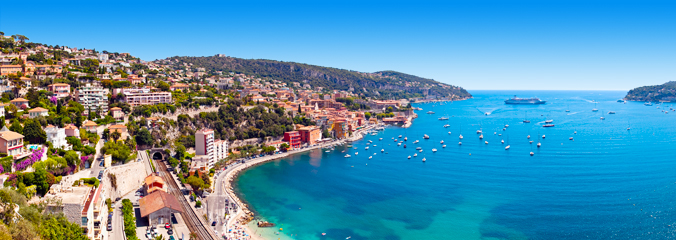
column 567, row 107
column 595, row 110
column 525, row 120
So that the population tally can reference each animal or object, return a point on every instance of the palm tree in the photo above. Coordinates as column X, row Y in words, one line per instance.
column 193, row 236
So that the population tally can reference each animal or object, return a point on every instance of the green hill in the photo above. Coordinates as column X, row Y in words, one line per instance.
column 384, row 84
column 664, row 92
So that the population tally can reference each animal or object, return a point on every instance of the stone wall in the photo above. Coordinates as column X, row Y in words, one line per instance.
column 129, row 176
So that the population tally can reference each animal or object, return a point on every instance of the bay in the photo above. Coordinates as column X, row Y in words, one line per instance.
column 606, row 183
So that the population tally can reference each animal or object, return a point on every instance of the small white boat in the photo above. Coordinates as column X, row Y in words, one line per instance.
column 443, row 146
column 531, row 153
column 539, row 144
column 409, row 156
column 356, row 153
column 399, row 136
column 570, row 138
column 575, row 132
column 416, row 141
column 327, row 151
column 380, row 139
column 602, row 118
column 375, row 145
column 459, row 143
column 382, row 150
column 415, row 155
column 355, row 147
column 449, row 133
column 424, row 159
column 347, row 155
column 507, row 147
column 528, row 137
column 549, row 121
column 481, row 136
column 506, row 126
column 374, row 154
column 486, row 142
column 531, row 142
column 370, row 157
column 398, row 144
column 442, row 142
column 426, row 136
column 447, row 125
column 366, row 148
column 434, row 150
column 420, row 150
column 543, row 136
column 460, row 136
column 478, row 131
column 406, row 139
column 500, row 134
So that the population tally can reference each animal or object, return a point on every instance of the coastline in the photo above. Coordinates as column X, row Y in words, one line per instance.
column 240, row 219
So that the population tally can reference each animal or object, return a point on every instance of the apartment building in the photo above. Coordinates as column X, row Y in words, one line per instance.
column 11, row 143
column 310, row 134
column 143, row 96
column 204, row 145
column 82, row 205
column 221, row 149
column 60, row 90
column 92, row 98
column 293, row 138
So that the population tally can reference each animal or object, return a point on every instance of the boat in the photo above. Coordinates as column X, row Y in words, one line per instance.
column 602, row 118
column 373, row 134
column 399, row 136
column 449, row 133
column 418, row 148
column 409, row 156
column 531, row 153
column 525, row 119
column 539, row 144
column 404, row 145
column 405, row 138
column 611, row 112
column 460, row 136
column 426, row 136
column 548, row 125
column 442, row 142
column 443, row 118
column 531, row 141
column 507, row 147
column 327, row 151
column 447, row 125
column 648, row 104
column 486, row 142
column 620, row 100
column 595, row 110
column 380, row 139
column 430, row 112
column 570, row 138
column 398, row 144
column 424, row 159
column 528, row 137
column 415, row 155
column 502, row 141
column 549, row 121
column 479, row 131
column 416, row 141
column 506, row 126
column 524, row 101
column 543, row 136
column 481, row 136
column 347, row 155
column 443, row 146
column 375, row 145
column 382, row 150
column 374, row 154
column 434, row 150
column 370, row 157
column 366, row 148
column 356, row 153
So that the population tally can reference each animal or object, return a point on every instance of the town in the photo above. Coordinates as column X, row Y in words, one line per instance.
column 124, row 148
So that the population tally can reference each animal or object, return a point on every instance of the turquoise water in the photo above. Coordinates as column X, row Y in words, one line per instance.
column 607, row 183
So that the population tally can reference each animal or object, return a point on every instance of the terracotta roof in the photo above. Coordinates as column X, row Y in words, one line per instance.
column 71, row 126
column 90, row 124
column 117, row 126
column 153, row 178
column 19, row 100
column 9, row 135
column 38, row 109
column 49, row 126
column 59, row 84
column 157, row 201
column 115, row 108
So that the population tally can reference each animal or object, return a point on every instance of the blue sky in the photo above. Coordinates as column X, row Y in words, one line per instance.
column 562, row 45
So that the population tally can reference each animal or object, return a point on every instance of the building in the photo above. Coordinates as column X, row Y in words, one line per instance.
column 81, row 205
column 310, row 134
column 179, row 86
column 153, row 182
column 340, row 129
column 2, row 109
column 38, row 111
column 60, row 90
column 220, row 149
column 92, row 98
column 20, row 103
column 90, row 126
column 293, row 138
column 10, row 69
column 72, row 131
column 204, row 145
column 147, row 98
column 44, row 69
column 57, row 136
column 11, row 143
column 158, row 207
column 117, row 113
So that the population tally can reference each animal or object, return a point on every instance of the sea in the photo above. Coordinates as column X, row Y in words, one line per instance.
column 616, row 179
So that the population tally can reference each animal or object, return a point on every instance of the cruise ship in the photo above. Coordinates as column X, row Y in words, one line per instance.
column 525, row 101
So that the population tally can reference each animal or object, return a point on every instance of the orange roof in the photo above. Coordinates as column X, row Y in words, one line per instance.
column 117, row 126
column 153, row 178
column 38, row 109
column 59, row 84
column 9, row 135
column 71, row 126
column 90, row 124
column 115, row 108
column 156, row 201
column 19, row 100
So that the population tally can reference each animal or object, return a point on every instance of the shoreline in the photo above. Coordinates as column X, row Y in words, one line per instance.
column 240, row 219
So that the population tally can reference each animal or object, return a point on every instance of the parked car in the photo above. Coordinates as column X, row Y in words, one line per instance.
column 110, row 226
column 170, row 231
column 213, row 223
column 167, row 226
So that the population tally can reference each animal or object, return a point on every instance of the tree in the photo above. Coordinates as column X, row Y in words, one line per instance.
column 58, row 227
column 143, row 137
column 7, row 207
column 367, row 115
column 195, row 182
column 72, row 158
column 284, row 146
column 16, row 127
column 115, row 135
column 33, row 132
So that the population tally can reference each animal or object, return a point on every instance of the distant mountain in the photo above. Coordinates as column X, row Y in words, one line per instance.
column 664, row 92
column 384, row 84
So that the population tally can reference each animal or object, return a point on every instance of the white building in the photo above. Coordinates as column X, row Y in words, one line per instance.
column 93, row 98
column 221, row 150
column 204, row 145
column 57, row 136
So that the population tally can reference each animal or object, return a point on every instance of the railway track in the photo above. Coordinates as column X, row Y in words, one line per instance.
column 194, row 223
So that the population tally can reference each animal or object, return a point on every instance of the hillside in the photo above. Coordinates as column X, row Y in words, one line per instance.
column 384, row 84
column 664, row 92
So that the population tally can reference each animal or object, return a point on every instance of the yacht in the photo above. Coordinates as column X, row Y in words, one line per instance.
column 648, row 104
column 531, row 153
column 486, row 142
column 442, row 142
column 449, row 133
column 424, row 159
column 443, row 146
column 366, row 148
column 507, row 147
column 543, row 136
column 434, row 150
column 506, row 126
column 460, row 136
column 481, row 136
column 443, row 118
column 459, row 143
column 382, row 150
column 370, row 157
column 426, row 136
column 399, row 136
column 416, row 141
column 405, row 138
column 549, row 121
column 347, row 155
column 409, row 156
column 479, row 131
column 539, row 144
column 595, row 110
column 502, row 141
column 398, row 144
column 418, row 148
column 415, row 155
column 380, row 139
column 548, row 125
column 611, row 112
column 430, row 112
column 531, row 142
column 447, row 125
column 570, row 138
column 356, row 153
column 404, row 145
column 528, row 137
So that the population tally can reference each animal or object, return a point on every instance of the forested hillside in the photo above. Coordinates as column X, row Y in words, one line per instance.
column 385, row 84
column 664, row 92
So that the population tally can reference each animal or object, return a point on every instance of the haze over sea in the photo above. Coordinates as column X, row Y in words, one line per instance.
column 607, row 183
